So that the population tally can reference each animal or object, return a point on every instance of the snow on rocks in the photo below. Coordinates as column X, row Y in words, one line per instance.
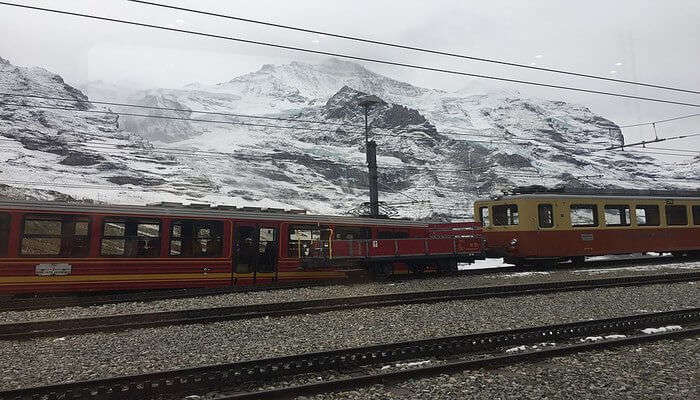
column 662, row 329
column 516, row 349
column 591, row 339
column 43, row 361
column 615, row 336
column 309, row 293
column 664, row 370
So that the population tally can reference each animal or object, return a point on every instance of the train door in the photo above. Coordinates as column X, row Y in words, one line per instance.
column 255, row 253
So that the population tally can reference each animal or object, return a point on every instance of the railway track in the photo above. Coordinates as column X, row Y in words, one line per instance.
column 34, row 329
column 21, row 303
column 367, row 365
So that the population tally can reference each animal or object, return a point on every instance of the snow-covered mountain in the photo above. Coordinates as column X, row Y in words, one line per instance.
column 444, row 147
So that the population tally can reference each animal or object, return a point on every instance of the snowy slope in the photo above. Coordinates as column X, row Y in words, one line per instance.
column 444, row 147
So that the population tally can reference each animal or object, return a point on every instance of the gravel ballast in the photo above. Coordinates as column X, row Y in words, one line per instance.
column 661, row 370
column 320, row 292
column 55, row 360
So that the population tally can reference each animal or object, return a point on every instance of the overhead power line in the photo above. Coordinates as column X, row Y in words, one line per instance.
column 131, row 105
column 336, row 124
column 413, row 48
column 645, row 142
column 494, row 139
column 661, row 121
column 395, row 132
column 350, row 57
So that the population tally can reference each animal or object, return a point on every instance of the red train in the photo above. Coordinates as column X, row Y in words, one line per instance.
column 51, row 247
column 536, row 225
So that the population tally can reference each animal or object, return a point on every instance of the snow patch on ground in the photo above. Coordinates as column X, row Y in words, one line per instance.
column 527, row 273
column 692, row 265
column 591, row 339
column 616, row 336
column 483, row 264
column 662, row 329
column 407, row 364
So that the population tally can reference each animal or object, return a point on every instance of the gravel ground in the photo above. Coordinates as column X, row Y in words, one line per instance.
column 56, row 360
column 662, row 370
column 320, row 292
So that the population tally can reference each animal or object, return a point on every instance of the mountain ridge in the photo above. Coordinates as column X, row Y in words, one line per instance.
column 445, row 147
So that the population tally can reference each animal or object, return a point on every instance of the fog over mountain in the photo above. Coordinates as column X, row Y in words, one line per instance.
column 444, row 147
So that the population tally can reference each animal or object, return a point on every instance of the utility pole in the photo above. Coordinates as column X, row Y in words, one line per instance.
column 371, row 152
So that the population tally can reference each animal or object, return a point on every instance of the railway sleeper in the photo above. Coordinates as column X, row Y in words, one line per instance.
column 346, row 359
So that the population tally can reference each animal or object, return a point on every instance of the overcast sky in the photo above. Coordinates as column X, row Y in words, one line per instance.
column 652, row 41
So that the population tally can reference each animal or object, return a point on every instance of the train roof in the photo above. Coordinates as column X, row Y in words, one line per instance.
column 204, row 210
column 578, row 193
column 581, row 196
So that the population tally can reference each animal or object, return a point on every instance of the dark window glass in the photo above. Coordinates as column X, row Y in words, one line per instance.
column 267, row 250
column 584, row 215
column 196, row 238
column 617, row 215
column 696, row 215
column 392, row 235
column 351, row 233
column 301, row 238
column 648, row 215
column 4, row 233
column 506, row 214
column 545, row 214
column 484, row 215
column 55, row 235
column 676, row 215
column 130, row 237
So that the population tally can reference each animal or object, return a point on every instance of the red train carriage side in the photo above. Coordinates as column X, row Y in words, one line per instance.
column 555, row 227
column 51, row 247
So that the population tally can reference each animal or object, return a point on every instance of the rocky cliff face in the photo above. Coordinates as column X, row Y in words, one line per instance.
column 447, row 148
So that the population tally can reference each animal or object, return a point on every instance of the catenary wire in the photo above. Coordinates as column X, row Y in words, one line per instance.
column 498, row 139
column 661, row 121
column 413, row 48
column 346, row 56
column 411, row 167
column 406, row 130
column 274, row 118
column 522, row 139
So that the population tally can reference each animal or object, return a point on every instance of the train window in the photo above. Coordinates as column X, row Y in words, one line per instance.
column 301, row 237
column 267, row 250
column 584, row 215
column 130, row 238
column 617, row 215
column 392, row 235
column 545, row 214
column 648, row 215
column 676, row 215
column 196, row 238
column 59, row 235
column 484, row 215
column 696, row 215
column 351, row 233
column 506, row 214
column 4, row 233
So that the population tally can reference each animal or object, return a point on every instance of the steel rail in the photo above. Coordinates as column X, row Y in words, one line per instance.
column 49, row 301
column 216, row 377
column 121, row 322
column 496, row 361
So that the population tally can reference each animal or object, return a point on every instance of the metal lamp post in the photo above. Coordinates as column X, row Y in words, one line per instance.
column 371, row 151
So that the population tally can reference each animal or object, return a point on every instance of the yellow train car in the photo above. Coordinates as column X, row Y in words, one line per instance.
column 541, row 225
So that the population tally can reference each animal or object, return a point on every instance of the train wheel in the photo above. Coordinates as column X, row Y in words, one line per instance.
column 381, row 271
column 418, row 269
column 578, row 261
column 517, row 262
column 447, row 267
